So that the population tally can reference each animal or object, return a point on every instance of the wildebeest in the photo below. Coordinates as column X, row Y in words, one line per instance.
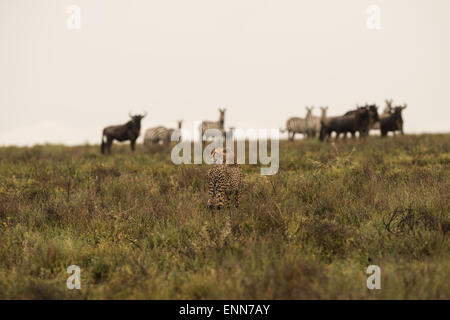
column 386, row 112
column 128, row 131
column 354, row 121
column 219, row 125
column 373, row 118
column 159, row 134
column 393, row 122
column 298, row 125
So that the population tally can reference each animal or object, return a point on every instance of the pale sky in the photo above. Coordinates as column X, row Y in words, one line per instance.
column 263, row 60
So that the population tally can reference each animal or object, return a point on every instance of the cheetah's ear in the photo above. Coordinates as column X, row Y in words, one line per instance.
column 230, row 156
column 213, row 155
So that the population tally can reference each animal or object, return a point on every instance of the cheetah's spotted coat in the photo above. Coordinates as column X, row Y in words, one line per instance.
column 224, row 180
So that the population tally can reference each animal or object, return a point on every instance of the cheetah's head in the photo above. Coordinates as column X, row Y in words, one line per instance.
column 223, row 155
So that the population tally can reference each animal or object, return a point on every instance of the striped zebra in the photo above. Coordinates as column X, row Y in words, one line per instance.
column 298, row 125
column 219, row 125
column 312, row 124
column 323, row 115
column 159, row 134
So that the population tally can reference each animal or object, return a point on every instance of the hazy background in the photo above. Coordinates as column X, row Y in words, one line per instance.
column 183, row 59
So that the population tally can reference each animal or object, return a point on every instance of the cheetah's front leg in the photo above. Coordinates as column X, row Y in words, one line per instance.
column 211, row 195
column 228, row 199
column 237, row 195
column 220, row 196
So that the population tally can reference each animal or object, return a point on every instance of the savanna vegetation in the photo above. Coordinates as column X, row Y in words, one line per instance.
column 138, row 227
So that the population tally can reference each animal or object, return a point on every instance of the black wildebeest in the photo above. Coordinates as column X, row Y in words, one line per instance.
column 128, row 131
column 392, row 122
column 354, row 121
column 373, row 117
column 386, row 112
column 370, row 122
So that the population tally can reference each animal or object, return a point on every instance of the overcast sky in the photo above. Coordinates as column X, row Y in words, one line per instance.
column 263, row 60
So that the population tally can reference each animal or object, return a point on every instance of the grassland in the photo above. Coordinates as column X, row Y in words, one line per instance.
column 138, row 226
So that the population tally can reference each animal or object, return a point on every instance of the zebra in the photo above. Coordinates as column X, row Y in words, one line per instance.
column 323, row 115
column 159, row 134
column 219, row 125
column 388, row 109
column 297, row 125
column 313, row 124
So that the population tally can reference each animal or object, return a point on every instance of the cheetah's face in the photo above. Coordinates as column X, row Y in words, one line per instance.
column 222, row 155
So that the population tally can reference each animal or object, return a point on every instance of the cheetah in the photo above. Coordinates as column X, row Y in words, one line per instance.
column 224, row 179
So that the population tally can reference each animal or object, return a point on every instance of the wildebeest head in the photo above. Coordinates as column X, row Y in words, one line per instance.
column 373, row 113
column 397, row 112
column 363, row 112
column 398, row 109
column 136, row 120
column 364, row 119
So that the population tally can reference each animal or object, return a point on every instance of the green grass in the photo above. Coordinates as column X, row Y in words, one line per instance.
column 138, row 226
